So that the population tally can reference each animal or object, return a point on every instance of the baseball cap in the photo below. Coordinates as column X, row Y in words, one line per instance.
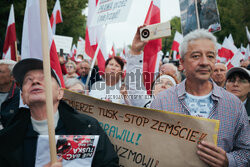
column 22, row 67
column 238, row 70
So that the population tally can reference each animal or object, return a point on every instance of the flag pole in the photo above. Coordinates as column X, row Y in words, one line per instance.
column 48, row 84
column 95, row 56
column 16, row 51
column 197, row 15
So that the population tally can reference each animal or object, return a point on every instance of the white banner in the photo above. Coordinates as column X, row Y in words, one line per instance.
column 63, row 42
column 111, row 11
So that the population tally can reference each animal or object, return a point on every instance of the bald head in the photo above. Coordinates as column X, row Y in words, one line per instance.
column 168, row 68
column 219, row 74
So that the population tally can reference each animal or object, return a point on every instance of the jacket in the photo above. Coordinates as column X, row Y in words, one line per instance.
column 12, row 138
column 11, row 104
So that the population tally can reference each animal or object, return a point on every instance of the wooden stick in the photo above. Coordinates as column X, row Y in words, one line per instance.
column 197, row 15
column 48, row 84
column 16, row 51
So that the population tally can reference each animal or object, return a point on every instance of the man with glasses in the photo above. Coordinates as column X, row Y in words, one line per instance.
column 83, row 70
column 238, row 83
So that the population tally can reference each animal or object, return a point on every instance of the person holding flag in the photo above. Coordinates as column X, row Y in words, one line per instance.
column 19, row 138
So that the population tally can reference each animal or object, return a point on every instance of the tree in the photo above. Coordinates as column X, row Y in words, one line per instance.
column 175, row 26
column 73, row 21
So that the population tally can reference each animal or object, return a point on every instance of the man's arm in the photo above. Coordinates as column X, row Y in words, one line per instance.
column 133, row 80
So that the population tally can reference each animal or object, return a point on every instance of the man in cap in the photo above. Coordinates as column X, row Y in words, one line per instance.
column 9, row 92
column 199, row 96
column 238, row 83
column 19, row 139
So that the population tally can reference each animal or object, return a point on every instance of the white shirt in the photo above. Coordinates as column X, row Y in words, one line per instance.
column 199, row 106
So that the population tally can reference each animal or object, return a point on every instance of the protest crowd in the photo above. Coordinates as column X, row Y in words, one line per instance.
column 198, row 79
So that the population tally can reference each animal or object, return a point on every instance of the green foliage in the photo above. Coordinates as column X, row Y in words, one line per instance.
column 73, row 21
column 175, row 26
column 234, row 17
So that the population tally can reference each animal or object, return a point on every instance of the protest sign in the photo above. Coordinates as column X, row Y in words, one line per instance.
column 75, row 150
column 80, row 47
column 111, row 11
column 197, row 14
column 146, row 137
column 63, row 42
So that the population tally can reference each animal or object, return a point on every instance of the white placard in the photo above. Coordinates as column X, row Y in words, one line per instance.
column 80, row 47
column 111, row 11
column 63, row 42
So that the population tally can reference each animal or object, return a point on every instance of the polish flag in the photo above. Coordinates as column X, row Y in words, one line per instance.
column 218, row 58
column 9, row 51
column 178, row 38
column 227, row 50
column 31, row 37
column 242, row 49
column 112, row 54
column 235, row 61
column 152, row 47
column 248, row 34
column 230, row 38
column 56, row 16
column 73, row 53
column 92, row 37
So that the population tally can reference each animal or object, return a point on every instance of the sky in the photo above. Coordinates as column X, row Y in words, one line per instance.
column 122, row 33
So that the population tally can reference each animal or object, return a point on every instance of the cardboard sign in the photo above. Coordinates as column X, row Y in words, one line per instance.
column 63, row 42
column 207, row 15
column 75, row 150
column 111, row 11
column 146, row 137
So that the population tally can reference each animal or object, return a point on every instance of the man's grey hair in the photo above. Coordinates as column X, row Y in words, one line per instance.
column 10, row 64
column 195, row 35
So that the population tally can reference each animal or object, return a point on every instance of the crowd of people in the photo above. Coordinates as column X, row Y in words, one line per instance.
column 198, row 86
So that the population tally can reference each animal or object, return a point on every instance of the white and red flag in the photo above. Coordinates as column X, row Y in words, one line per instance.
column 228, row 50
column 56, row 16
column 235, row 61
column 242, row 49
column 31, row 37
column 93, row 36
column 73, row 53
column 248, row 34
column 9, row 50
column 152, row 47
column 112, row 53
column 178, row 38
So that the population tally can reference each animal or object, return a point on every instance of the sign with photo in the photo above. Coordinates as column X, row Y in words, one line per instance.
column 199, row 12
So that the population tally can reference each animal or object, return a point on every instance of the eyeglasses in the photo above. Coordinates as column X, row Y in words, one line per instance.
column 240, row 81
column 69, row 67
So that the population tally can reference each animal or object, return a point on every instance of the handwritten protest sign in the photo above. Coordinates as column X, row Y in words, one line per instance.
column 145, row 137
column 111, row 11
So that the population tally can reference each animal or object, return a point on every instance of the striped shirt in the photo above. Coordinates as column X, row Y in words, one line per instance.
column 234, row 131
